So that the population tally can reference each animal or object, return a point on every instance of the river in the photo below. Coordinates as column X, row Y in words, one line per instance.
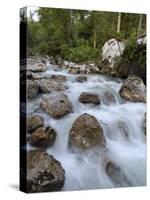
column 122, row 124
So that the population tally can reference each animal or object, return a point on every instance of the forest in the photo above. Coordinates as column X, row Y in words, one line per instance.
column 78, row 35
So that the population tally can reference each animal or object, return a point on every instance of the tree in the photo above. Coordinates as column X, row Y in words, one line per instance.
column 119, row 22
column 139, row 25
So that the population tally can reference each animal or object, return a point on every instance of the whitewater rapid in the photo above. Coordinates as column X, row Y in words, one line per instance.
column 122, row 124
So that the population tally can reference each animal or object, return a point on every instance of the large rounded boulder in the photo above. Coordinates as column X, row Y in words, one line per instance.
column 111, row 52
column 86, row 132
column 89, row 98
column 133, row 89
column 57, row 105
column 42, row 137
column 44, row 172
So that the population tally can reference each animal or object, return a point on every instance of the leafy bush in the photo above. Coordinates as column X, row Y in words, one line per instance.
column 81, row 54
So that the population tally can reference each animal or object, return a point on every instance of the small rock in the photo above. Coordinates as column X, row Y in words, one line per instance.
column 43, row 137
column 86, row 132
column 34, row 122
column 81, row 79
column 57, row 105
column 89, row 98
column 58, row 78
column 44, row 172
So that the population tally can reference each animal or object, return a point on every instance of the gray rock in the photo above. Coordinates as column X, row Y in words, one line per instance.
column 58, row 78
column 112, row 50
column 89, row 98
column 34, row 122
column 133, row 89
column 42, row 137
column 38, row 67
column 32, row 89
column 44, row 172
column 81, row 79
column 86, row 132
column 57, row 105
column 50, row 86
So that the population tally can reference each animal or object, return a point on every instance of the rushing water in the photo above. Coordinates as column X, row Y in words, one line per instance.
column 122, row 123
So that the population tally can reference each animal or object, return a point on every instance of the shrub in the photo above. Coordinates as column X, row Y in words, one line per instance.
column 82, row 54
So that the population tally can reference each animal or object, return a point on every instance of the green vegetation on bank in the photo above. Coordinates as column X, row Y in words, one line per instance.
column 79, row 35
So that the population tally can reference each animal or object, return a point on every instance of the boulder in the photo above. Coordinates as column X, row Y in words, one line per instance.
column 44, row 172
column 111, row 51
column 43, row 137
column 32, row 89
column 81, row 79
column 57, row 105
column 144, row 123
column 142, row 40
column 34, row 122
column 58, row 78
column 50, row 86
column 133, row 89
column 38, row 67
column 108, row 98
column 116, row 174
column 89, row 98
column 86, row 132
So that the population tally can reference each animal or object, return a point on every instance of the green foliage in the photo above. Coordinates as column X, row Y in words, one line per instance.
column 79, row 35
column 83, row 54
column 130, row 49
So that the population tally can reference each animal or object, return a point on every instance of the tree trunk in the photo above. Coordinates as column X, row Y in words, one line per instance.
column 94, row 40
column 139, row 26
column 119, row 22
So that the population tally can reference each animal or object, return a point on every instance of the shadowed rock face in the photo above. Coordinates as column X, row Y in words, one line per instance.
column 57, row 105
column 34, row 122
column 42, row 137
column 44, row 172
column 86, row 132
column 133, row 89
column 89, row 98
column 116, row 174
